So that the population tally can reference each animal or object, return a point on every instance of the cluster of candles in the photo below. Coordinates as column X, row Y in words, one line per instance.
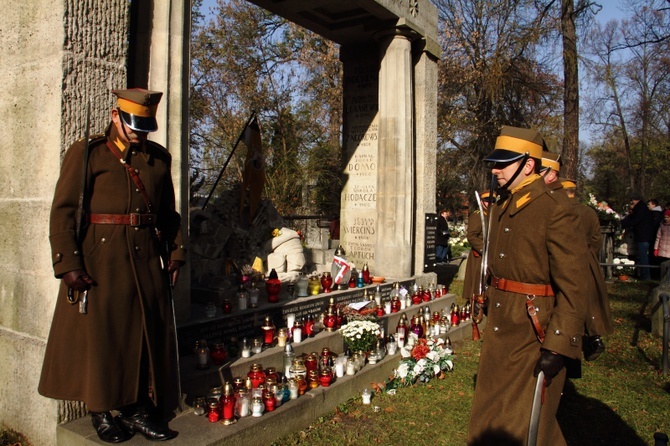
column 263, row 390
column 299, row 329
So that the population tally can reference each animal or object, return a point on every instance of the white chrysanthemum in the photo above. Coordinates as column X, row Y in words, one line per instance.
column 403, row 370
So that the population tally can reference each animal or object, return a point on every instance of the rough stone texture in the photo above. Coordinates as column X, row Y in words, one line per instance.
column 395, row 183
column 63, row 54
column 425, row 111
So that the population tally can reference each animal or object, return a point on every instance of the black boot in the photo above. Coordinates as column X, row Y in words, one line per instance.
column 135, row 419
column 593, row 348
column 107, row 428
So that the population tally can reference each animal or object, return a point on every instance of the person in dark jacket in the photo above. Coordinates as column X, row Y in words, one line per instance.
column 442, row 248
column 110, row 340
column 641, row 221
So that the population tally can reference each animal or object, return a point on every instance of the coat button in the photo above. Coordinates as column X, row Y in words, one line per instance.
column 501, row 255
column 103, row 240
column 557, row 332
column 76, row 253
column 137, row 248
column 134, row 152
column 506, row 230
column 495, row 329
column 137, row 189
column 137, row 210
column 497, row 304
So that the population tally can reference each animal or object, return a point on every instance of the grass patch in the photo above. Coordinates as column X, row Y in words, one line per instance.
column 622, row 398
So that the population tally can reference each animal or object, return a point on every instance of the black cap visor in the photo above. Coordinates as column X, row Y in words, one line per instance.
column 138, row 123
column 502, row 156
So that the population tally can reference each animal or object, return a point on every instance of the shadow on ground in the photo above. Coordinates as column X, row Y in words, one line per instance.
column 576, row 416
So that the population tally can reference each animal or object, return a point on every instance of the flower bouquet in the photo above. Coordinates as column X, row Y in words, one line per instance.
column 360, row 335
column 606, row 214
column 423, row 361
column 624, row 267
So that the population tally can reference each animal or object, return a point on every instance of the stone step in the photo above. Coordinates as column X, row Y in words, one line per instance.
column 289, row 417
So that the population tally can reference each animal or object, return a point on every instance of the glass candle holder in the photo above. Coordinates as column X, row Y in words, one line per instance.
column 254, row 295
column 243, row 404
column 257, row 406
column 227, row 306
column 213, row 411
column 202, row 355
column 228, row 405
column 293, row 389
column 218, row 353
column 257, row 375
column 367, row 396
column 199, row 406
column 282, row 337
column 351, row 367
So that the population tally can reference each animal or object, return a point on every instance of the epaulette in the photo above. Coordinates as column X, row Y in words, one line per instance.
column 157, row 146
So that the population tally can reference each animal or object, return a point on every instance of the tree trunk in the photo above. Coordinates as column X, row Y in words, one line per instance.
column 570, row 154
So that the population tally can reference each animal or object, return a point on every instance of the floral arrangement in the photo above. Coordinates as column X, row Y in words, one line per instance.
column 360, row 335
column 605, row 213
column 422, row 360
column 458, row 240
column 624, row 267
column 251, row 274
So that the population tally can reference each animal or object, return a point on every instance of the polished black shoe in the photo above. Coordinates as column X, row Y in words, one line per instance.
column 138, row 421
column 107, row 428
column 594, row 347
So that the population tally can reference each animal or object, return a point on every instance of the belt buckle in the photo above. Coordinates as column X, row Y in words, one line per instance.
column 135, row 220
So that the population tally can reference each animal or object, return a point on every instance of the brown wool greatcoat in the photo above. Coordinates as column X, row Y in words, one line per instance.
column 599, row 317
column 473, row 266
column 533, row 240
column 95, row 357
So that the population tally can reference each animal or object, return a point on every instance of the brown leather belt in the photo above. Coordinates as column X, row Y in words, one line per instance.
column 530, row 289
column 123, row 219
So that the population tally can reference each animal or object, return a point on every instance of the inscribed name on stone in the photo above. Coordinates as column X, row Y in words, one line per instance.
column 361, row 134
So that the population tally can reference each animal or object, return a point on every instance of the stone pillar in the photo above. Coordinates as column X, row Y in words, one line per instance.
column 425, row 125
column 395, row 182
column 169, row 73
column 358, row 214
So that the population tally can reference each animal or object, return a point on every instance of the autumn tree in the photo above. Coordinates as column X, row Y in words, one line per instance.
column 246, row 59
column 491, row 74
column 630, row 66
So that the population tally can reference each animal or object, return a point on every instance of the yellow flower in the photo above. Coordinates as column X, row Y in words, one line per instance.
column 276, row 232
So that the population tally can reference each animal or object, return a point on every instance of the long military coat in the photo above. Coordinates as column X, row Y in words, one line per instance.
column 599, row 317
column 95, row 357
column 533, row 240
column 473, row 266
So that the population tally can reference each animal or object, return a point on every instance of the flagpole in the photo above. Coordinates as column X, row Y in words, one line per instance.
column 253, row 114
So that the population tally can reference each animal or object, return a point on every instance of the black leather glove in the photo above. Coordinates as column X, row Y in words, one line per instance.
column 173, row 270
column 78, row 280
column 550, row 363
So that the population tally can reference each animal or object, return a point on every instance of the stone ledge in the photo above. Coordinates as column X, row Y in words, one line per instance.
column 289, row 417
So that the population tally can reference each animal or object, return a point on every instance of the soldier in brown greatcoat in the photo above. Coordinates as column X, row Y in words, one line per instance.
column 538, row 262
column 109, row 344
column 598, row 317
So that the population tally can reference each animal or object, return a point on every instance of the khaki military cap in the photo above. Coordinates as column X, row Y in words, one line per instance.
column 137, row 108
column 514, row 143
column 568, row 184
column 551, row 160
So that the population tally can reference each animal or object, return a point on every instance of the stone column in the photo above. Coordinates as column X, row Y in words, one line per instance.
column 358, row 210
column 395, row 182
column 425, row 126
column 169, row 73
